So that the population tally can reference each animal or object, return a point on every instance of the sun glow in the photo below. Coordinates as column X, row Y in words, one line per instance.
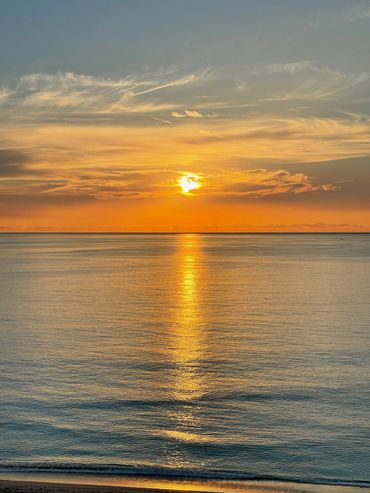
column 189, row 183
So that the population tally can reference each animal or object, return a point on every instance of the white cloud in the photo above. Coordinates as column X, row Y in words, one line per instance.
column 193, row 114
column 309, row 81
column 167, row 122
column 240, row 85
column 187, row 113
column 355, row 13
column 71, row 93
column 291, row 68
column 178, row 82
column 302, row 66
column 4, row 94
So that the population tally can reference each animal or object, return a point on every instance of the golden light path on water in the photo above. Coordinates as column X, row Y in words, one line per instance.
column 188, row 346
column 188, row 338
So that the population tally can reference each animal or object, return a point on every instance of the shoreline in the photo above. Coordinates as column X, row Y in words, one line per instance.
column 75, row 483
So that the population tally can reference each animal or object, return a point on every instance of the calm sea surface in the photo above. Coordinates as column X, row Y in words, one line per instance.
column 209, row 355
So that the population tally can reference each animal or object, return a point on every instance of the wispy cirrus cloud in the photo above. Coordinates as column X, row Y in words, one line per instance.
column 276, row 136
column 305, row 80
column 137, row 99
column 70, row 93
column 296, row 68
column 355, row 12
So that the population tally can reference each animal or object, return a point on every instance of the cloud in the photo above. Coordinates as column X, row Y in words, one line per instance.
column 119, row 182
column 85, row 184
column 136, row 99
column 305, row 80
column 297, row 67
column 259, row 183
column 240, row 85
column 282, row 136
column 262, row 133
column 193, row 114
column 13, row 163
column 355, row 13
column 116, row 185
column 167, row 122
column 4, row 94
column 313, row 226
column 186, row 113
column 24, row 204
column 67, row 93
column 291, row 68
column 177, row 82
column 350, row 12
column 129, row 166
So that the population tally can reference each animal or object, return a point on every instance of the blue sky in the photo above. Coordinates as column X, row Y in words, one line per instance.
column 119, row 36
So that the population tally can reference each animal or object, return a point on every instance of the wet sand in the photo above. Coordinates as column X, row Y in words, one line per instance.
column 12, row 486
column 30, row 486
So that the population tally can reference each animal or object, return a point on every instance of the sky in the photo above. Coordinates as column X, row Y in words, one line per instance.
column 105, row 105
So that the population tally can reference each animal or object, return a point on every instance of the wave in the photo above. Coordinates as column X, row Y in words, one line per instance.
column 164, row 473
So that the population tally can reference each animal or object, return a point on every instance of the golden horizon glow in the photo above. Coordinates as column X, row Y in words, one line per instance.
column 106, row 182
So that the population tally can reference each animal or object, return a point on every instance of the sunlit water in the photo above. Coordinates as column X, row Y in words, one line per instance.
column 224, row 356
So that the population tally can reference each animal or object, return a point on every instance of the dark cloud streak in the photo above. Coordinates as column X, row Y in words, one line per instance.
column 13, row 163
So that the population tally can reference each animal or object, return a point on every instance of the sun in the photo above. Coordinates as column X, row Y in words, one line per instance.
column 188, row 183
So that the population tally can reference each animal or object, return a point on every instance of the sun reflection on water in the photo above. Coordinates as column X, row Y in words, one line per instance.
column 188, row 347
column 188, row 337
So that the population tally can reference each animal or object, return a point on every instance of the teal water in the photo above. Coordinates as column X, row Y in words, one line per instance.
column 219, row 356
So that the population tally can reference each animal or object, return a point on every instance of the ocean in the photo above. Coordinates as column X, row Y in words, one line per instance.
column 220, row 356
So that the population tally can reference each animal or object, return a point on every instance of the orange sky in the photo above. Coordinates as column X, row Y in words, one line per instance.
column 121, row 178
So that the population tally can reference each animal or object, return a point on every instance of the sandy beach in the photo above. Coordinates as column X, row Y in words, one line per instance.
column 12, row 486
column 37, row 486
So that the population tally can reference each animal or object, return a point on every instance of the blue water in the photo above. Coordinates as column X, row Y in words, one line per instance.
column 200, row 355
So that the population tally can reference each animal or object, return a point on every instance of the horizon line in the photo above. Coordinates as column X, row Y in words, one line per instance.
column 183, row 232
